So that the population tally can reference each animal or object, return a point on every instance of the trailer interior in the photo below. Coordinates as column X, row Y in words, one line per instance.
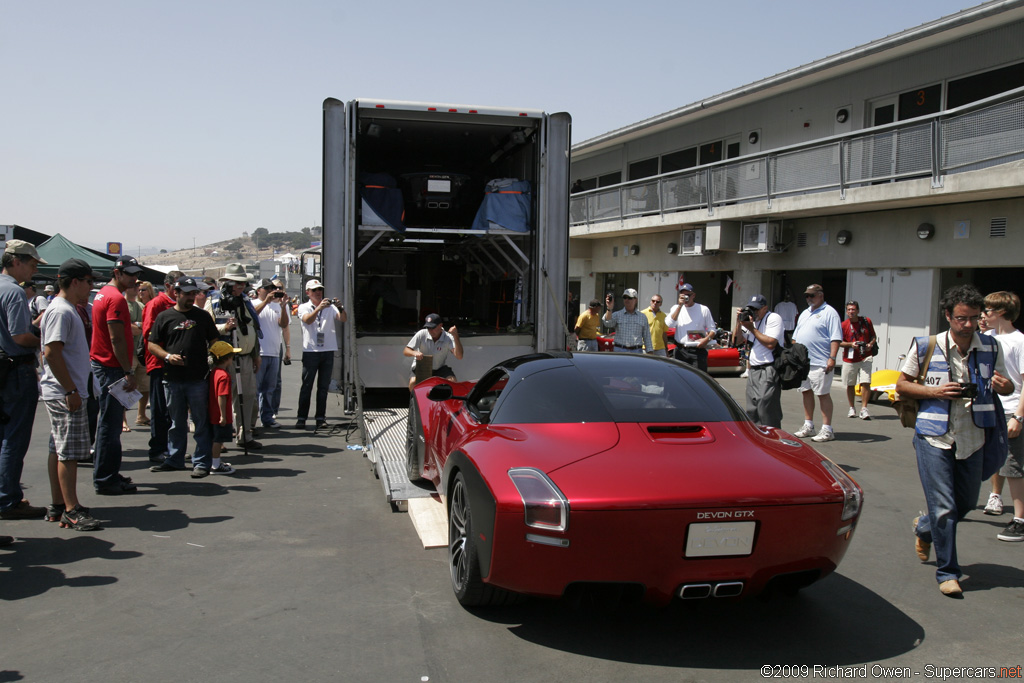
column 438, row 165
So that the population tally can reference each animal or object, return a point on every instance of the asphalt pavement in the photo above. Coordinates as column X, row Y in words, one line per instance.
column 295, row 568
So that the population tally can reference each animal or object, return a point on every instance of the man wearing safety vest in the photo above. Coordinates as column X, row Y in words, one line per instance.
column 960, row 435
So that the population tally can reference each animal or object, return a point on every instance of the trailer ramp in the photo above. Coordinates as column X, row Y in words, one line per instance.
column 384, row 433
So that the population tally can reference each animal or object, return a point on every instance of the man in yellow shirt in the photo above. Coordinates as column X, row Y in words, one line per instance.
column 587, row 325
column 659, row 328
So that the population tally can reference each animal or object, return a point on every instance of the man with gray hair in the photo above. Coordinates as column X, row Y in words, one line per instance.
column 19, row 388
column 632, row 331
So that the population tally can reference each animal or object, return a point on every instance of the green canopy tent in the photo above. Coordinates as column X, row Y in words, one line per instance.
column 59, row 249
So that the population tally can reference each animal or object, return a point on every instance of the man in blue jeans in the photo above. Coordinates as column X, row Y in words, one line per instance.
column 111, row 353
column 20, row 390
column 956, row 435
column 319, row 317
column 180, row 338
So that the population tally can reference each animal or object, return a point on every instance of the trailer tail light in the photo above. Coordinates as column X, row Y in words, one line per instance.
column 545, row 506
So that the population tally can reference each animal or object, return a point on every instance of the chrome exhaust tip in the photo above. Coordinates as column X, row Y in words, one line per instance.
column 729, row 589
column 695, row 591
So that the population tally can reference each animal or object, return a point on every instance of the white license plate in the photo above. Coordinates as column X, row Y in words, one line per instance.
column 715, row 539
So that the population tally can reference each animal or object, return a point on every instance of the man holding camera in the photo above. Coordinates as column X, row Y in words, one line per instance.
column 764, row 330
column 955, row 437
column 632, row 331
column 858, row 336
column 319, row 317
column 238, row 323
column 273, row 314
column 692, row 327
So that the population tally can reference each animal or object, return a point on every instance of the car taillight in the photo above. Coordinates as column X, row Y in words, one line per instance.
column 852, row 495
column 546, row 507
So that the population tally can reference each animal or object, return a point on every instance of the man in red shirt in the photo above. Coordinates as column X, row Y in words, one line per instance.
column 858, row 335
column 160, row 420
column 111, row 355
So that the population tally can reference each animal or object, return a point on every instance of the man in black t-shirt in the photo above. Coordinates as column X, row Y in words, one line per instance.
column 180, row 337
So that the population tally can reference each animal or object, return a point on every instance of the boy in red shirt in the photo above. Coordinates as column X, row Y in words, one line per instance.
column 220, row 403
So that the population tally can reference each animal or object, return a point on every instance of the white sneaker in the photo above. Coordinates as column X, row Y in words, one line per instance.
column 744, row 374
column 994, row 506
column 826, row 434
column 806, row 430
column 852, row 413
column 864, row 414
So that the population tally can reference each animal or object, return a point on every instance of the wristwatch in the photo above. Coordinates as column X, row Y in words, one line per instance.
column 1018, row 418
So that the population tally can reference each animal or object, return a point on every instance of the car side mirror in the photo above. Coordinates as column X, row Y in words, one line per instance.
column 443, row 392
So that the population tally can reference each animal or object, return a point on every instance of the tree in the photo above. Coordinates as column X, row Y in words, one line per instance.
column 260, row 235
column 234, row 246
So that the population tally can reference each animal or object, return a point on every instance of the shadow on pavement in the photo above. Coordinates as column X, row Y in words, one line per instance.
column 27, row 563
column 148, row 518
column 835, row 622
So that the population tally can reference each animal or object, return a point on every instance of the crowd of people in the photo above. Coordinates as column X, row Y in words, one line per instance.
column 967, row 382
column 201, row 357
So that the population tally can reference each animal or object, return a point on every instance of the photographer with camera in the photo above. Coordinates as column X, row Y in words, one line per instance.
column 960, row 436
column 858, row 338
column 765, row 331
column 273, row 313
column 319, row 318
column 238, row 323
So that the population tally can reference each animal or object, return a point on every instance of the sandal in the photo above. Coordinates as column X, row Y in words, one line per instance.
column 142, row 421
column 125, row 427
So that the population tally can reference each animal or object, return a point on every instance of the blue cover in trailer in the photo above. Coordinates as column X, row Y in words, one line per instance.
column 506, row 204
column 381, row 193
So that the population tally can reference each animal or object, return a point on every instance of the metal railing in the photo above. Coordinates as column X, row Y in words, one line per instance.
column 971, row 137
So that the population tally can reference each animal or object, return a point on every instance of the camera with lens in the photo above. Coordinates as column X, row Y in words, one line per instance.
column 746, row 314
column 968, row 390
column 337, row 303
column 278, row 294
column 228, row 300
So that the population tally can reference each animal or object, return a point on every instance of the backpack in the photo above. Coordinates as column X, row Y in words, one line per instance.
column 793, row 365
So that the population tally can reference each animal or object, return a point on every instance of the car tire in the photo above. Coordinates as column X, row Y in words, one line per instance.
column 463, row 563
column 414, row 445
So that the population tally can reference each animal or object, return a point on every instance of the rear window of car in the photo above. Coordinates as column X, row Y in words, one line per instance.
column 605, row 393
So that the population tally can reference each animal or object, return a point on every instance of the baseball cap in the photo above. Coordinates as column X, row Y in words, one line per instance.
column 48, row 288
column 813, row 289
column 432, row 321
column 128, row 264
column 267, row 284
column 187, row 284
column 314, row 284
column 219, row 349
column 629, row 294
column 757, row 301
column 595, row 303
column 23, row 248
column 75, row 267
column 687, row 287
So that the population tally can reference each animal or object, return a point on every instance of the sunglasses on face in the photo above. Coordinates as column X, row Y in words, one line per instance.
column 627, row 298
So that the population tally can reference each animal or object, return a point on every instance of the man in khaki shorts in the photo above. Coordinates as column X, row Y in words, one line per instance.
column 858, row 336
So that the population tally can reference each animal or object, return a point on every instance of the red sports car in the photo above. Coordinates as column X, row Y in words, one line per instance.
column 564, row 470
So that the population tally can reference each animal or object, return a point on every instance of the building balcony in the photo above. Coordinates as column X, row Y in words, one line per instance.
column 970, row 153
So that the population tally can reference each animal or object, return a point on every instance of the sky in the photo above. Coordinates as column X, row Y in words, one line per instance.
column 169, row 124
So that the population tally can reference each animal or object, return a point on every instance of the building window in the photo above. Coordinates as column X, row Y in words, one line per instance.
column 677, row 161
column 643, row 169
column 920, row 102
column 609, row 179
column 710, row 153
column 979, row 86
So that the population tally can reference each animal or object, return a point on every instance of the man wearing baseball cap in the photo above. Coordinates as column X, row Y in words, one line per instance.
column 765, row 331
column 692, row 328
column 111, row 355
column 431, row 340
column 319, row 318
column 180, row 338
column 632, row 331
column 65, row 388
column 20, row 389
